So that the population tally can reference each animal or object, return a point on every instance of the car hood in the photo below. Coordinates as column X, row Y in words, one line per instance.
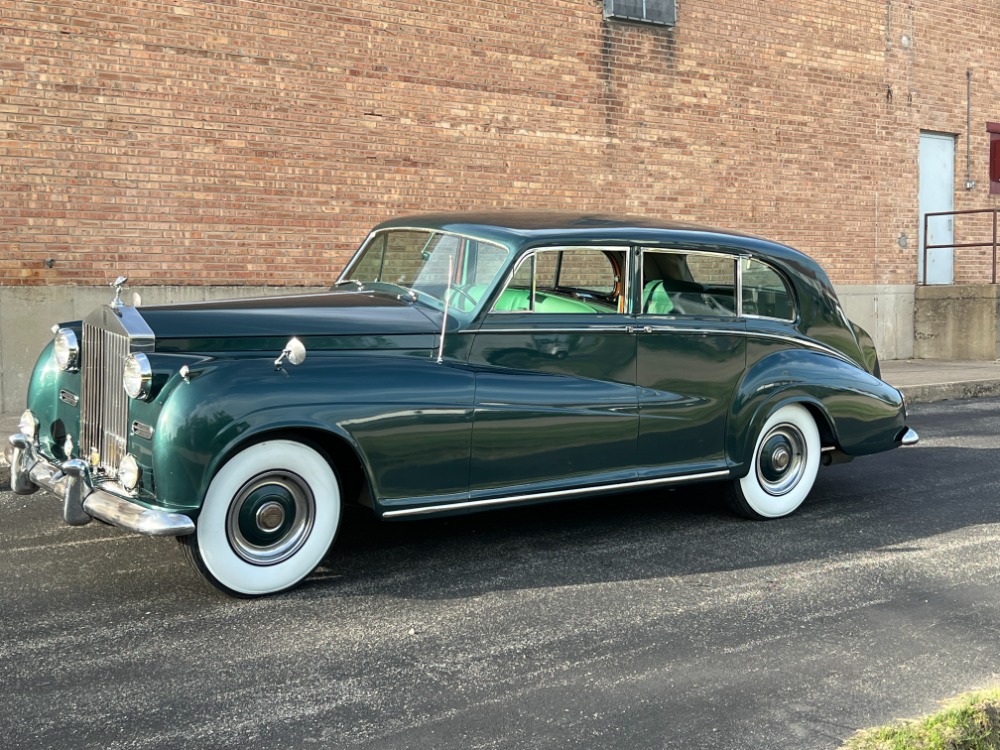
column 317, row 316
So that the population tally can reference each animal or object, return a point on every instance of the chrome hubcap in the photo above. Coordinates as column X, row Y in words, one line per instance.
column 781, row 459
column 270, row 518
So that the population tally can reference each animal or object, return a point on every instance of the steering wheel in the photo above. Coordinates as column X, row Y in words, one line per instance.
column 713, row 303
column 465, row 296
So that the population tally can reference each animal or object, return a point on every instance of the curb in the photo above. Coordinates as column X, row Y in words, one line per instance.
column 932, row 392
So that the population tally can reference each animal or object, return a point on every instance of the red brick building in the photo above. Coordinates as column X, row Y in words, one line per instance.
column 242, row 142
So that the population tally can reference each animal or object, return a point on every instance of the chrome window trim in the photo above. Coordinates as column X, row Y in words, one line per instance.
column 739, row 284
column 592, row 329
column 552, row 494
column 750, row 316
column 788, row 291
column 372, row 235
column 681, row 251
column 532, row 254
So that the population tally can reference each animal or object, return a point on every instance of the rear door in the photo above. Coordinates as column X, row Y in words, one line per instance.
column 690, row 356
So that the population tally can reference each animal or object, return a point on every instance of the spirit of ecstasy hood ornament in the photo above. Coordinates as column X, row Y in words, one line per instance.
column 118, row 284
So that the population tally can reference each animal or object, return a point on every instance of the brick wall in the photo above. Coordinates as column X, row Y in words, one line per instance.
column 250, row 142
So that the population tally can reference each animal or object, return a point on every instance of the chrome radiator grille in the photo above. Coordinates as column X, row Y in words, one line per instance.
column 104, row 404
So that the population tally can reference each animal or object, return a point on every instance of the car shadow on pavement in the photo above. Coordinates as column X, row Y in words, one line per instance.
column 871, row 504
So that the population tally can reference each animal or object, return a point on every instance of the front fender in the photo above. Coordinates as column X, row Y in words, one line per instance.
column 862, row 414
column 408, row 416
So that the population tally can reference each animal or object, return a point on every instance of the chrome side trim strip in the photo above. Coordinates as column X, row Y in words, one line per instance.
column 577, row 492
column 808, row 343
column 547, row 331
column 803, row 342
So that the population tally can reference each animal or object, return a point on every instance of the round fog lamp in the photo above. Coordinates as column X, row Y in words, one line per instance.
column 129, row 472
column 137, row 378
column 67, row 349
column 28, row 425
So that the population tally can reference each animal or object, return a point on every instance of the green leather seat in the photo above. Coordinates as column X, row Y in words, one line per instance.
column 516, row 300
column 655, row 300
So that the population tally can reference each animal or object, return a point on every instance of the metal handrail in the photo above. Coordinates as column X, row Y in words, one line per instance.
column 954, row 246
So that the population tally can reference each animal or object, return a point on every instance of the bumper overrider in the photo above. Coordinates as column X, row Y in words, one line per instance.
column 70, row 482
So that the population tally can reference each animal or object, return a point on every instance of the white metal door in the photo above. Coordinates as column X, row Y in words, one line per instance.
column 937, row 193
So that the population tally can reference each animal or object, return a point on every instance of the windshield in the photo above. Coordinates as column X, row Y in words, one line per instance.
column 418, row 260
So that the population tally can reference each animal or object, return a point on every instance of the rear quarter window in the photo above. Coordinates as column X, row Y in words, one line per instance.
column 766, row 294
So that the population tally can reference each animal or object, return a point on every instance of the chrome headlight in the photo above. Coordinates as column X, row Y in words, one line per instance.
column 138, row 376
column 129, row 473
column 67, row 350
column 28, row 425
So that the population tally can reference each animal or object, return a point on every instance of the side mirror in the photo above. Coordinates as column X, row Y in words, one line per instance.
column 294, row 352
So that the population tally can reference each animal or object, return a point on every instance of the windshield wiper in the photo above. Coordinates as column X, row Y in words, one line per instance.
column 405, row 292
column 379, row 287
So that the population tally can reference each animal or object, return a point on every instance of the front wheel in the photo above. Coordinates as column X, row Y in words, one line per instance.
column 269, row 517
column 783, row 468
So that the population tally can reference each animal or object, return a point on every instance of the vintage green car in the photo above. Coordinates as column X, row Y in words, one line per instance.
column 462, row 362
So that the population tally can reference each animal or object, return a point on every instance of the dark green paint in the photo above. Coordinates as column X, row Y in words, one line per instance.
column 521, row 402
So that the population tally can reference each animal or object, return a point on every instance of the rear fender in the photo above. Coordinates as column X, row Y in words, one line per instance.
column 855, row 411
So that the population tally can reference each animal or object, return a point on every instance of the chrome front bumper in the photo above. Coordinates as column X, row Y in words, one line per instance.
column 81, row 502
column 910, row 437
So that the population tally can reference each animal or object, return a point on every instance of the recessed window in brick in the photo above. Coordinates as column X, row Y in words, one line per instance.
column 660, row 12
column 994, row 131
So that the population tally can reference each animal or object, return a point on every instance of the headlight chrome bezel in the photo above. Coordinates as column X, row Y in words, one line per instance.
column 129, row 472
column 137, row 377
column 66, row 350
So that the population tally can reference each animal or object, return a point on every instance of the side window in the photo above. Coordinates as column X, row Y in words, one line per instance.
column 679, row 282
column 565, row 280
column 765, row 293
column 482, row 262
column 587, row 271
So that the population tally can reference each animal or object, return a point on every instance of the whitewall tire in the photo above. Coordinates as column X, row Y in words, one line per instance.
column 269, row 516
column 784, row 465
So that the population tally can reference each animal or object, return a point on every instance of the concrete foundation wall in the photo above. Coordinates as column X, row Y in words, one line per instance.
column 28, row 313
column 957, row 322
column 886, row 312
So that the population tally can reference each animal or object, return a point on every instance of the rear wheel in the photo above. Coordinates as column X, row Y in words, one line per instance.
column 783, row 468
column 270, row 515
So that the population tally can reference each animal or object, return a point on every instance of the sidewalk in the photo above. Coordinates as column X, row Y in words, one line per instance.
column 922, row 381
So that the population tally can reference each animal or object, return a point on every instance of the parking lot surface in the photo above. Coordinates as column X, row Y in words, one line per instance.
column 655, row 620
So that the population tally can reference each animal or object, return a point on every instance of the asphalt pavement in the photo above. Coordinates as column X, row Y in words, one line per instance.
column 652, row 620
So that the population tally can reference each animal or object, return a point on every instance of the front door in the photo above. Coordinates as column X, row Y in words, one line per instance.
column 937, row 193
column 554, row 358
